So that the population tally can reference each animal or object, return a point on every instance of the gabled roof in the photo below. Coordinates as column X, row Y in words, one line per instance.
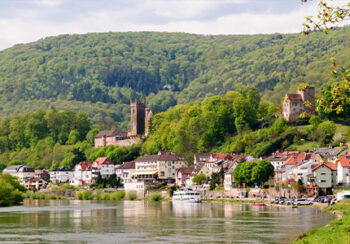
column 183, row 171
column 291, row 161
column 84, row 165
column 330, row 165
column 199, row 156
column 345, row 160
column 294, row 98
column 127, row 165
column 103, row 160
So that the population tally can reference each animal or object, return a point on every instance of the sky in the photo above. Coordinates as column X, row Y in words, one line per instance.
column 23, row 21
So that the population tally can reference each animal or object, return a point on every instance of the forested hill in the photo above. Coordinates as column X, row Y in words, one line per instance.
column 98, row 73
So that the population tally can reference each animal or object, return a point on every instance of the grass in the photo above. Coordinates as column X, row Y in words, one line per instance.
column 306, row 146
column 338, row 231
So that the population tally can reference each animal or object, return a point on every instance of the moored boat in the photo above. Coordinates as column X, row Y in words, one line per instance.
column 258, row 204
column 187, row 196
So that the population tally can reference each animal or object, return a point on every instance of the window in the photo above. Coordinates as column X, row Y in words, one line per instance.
column 323, row 181
column 161, row 173
column 323, row 173
column 169, row 163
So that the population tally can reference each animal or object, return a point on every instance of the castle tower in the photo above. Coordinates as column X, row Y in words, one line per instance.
column 137, row 116
column 148, row 116
column 308, row 94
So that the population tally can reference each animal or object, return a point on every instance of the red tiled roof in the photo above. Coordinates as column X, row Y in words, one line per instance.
column 103, row 160
column 85, row 164
column 330, row 165
column 291, row 161
column 345, row 160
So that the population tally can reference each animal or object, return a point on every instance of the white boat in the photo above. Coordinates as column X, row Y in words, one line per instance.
column 186, row 196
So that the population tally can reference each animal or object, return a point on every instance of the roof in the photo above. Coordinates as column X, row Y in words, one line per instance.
column 62, row 169
column 345, row 160
column 199, row 156
column 154, row 158
column 330, row 165
column 18, row 168
column 84, row 165
column 274, row 158
column 127, row 165
column 327, row 151
column 291, row 161
column 185, row 170
column 294, row 98
column 103, row 160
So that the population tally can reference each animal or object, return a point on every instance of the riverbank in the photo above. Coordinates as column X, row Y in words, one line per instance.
column 338, row 231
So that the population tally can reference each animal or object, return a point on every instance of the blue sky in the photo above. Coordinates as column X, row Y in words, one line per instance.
column 23, row 21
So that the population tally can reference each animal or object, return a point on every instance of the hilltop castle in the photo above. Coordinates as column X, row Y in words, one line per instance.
column 294, row 104
column 140, row 121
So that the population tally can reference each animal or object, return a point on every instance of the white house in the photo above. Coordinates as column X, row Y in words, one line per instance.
column 343, row 170
column 104, row 166
column 20, row 171
column 61, row 174
column 125, row 171
column 84, row 174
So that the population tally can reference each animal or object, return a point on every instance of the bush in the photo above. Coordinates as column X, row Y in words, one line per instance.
column 106, row 196
column 132, row 195
column 156, row 197
column 118, row 195
column 87, row 195
column 98, row 195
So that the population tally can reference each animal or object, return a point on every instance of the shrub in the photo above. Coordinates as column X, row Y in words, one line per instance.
column 132, row 195
column 106, row 196
column 87, row 195
column 118, row 195
column 98, row 195
column 156, row 197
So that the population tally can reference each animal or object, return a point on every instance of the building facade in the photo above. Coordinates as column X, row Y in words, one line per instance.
column 294, row 104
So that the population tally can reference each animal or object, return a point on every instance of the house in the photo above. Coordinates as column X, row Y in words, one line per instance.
column 105, row 167
column 61, row 174
column 35, row 183
column 20, row 171
column 109, row 137
column 160, row 167
column 328, row 153
column 343, row 170
column 200, row 159
column 325, row 176
column 228, row 179
column 42, row 174
column 125, row 171
column 294, row 104
column 182, row 174
column 277, row 160
column 84, row 174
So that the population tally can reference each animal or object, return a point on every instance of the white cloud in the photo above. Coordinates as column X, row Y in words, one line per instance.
column 30, row 25
column 49, row 3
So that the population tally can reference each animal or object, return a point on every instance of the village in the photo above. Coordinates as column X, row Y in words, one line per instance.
column 308, row 174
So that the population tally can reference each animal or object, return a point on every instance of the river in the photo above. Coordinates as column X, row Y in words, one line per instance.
column 103, row 222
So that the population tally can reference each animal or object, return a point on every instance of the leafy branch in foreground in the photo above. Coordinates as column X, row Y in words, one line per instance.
column 328, row 15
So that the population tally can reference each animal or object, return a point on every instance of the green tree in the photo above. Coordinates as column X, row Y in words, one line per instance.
column 199, row 179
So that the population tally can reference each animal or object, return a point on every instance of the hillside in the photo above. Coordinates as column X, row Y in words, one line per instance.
column 98, row 73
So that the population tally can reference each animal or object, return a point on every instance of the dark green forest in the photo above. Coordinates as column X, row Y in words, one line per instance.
column 98, row 73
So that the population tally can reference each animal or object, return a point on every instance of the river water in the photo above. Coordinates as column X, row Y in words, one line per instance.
column 74, row 221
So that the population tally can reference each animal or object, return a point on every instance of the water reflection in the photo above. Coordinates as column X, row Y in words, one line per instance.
column 149, row 222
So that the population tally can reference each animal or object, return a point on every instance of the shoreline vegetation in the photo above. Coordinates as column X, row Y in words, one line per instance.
column 337, row 231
